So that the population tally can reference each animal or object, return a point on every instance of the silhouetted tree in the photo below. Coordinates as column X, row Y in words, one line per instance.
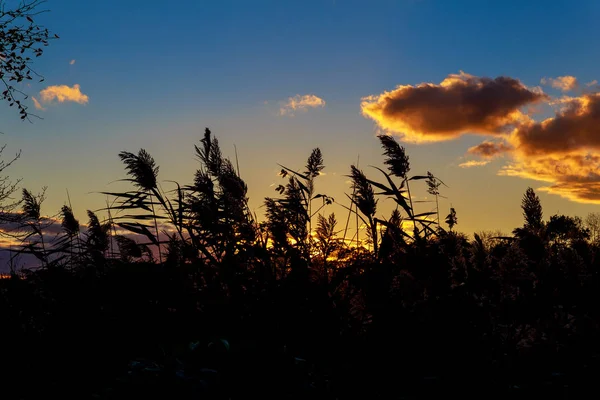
column 218, row 320
column 592, row 223
column 532, row 209
column 7, row 188
column 21, row 39
column 562, row 228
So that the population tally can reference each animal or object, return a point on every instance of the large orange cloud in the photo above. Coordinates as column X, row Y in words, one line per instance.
column 574, row 128
column 560, row 151
column 460, row 104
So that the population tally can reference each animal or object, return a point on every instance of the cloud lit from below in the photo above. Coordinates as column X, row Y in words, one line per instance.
column 301, row 103
column 562, row 83
column 460, row 104
column 37, row 104
column 559, row 150
column 574, row 128
column 59, row 94
column 474, row 163
column 489, row 149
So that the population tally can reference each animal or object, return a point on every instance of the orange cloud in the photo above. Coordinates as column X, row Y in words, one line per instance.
column 37, row 104
column 564, row 83
column 460, row 104
column 489, row 149
column 72, row 62
column 301, row 103
column 62, row 93
column 561, row 150
column 572, row 176
column 474, row 163
column 574, row 128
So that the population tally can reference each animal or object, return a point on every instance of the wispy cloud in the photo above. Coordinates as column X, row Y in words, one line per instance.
column 489, row 149
column 460, row 104
column 592, row 83
column 301, row 103
column 573, row 176
column 564, row 83
column 474, row 163
column 61, row 94
column 37, row 104
column 72, row 62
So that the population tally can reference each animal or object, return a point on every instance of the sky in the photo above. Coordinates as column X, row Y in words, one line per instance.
column 463, row 85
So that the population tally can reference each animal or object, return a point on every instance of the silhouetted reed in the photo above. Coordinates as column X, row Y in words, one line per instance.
column 183, row 293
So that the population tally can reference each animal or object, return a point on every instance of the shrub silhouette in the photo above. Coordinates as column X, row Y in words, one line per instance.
column 183, row 293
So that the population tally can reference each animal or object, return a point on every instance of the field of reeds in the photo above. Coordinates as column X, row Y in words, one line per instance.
column 185, row 294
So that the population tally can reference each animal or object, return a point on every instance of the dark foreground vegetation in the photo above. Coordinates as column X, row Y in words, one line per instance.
column 184, row 294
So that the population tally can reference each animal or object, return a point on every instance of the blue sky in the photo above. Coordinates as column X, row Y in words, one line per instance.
column 157, row 73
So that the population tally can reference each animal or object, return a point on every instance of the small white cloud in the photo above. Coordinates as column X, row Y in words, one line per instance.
column 592, row 83
column 71, row 62
column 301, row 103
column 474, row 163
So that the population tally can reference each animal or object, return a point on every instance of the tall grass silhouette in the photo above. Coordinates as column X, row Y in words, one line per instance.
column 183, row 293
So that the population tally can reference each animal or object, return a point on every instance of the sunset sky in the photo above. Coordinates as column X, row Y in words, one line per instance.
column 464, row 85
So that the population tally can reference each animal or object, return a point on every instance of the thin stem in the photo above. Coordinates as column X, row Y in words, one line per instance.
column 412, row 210
column 357, row 226
column 41, row 234
column 112, row 226
column 78, row 232
column 237, row 164
column 349, row 214
column 156, row 228
column 437, row 207
column 374, row 235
